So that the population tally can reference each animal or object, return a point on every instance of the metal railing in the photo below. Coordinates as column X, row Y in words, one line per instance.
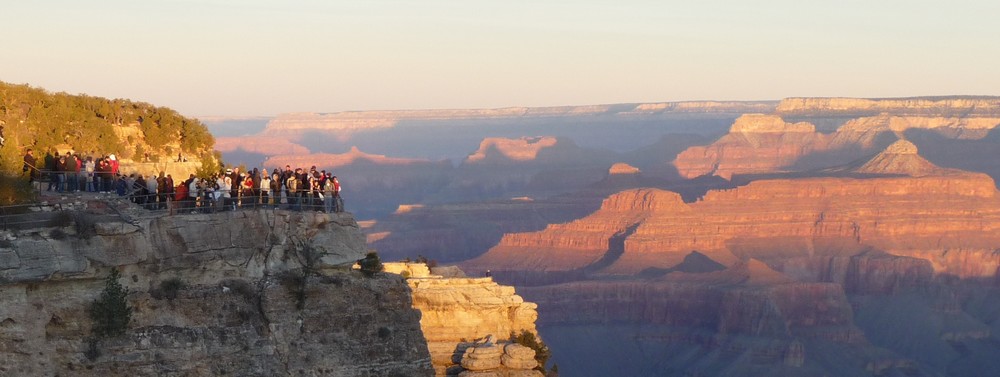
column 43, row 213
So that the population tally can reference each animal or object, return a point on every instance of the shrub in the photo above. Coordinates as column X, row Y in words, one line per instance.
column 371, row 264
column 111, row 313
column 295, row 284
column 170, row 287
column 61, row 219
column 528, row 339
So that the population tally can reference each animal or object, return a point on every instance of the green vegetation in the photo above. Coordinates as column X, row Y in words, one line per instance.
column 371, row 264
column 111, row 313
column 34, row 118
column 528, row 339
column 170, row 287
column 14, row 190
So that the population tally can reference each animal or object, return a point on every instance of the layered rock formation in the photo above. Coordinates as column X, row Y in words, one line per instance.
column 961, row 105
column 756, row 143
column 906, row 207
column 253, row 293
column 457, row 310
column 499, row 360
column 762, row 144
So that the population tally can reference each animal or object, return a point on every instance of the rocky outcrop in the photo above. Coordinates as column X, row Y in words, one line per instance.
column 756, row 143
column 622, row 168
column 251, row 293
column 522, row 149
column 455, row 311
column 499, row 360
column 901, row 158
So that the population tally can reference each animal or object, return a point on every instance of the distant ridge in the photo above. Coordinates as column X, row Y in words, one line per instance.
column 857, row 107
column 360, row 120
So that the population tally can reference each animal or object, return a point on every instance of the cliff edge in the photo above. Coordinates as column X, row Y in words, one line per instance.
column 249, row 293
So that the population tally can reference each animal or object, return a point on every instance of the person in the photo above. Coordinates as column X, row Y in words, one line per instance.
column 193, row 188
column 114, row 164
column 73, row 165
column 88, row 173
column 169, row 193
column 292, row 186
column 328, row 198
column 265, row 187
column 161, row 191
column 152, row 192
column 248, row 198
column 285, row 174
column 30, row 165
column 226, row 187
column 60, row 170
column 338, row 205
column 50, row 166
column 276, row 188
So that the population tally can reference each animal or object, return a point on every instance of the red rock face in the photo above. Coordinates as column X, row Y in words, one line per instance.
column 755, row 144
column 950, row 221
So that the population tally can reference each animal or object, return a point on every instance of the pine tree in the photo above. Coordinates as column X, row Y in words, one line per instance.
column 111, row 313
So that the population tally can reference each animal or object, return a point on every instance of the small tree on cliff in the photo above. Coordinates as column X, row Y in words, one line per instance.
column 371, row 264
column 528, row 339
column 110, row 312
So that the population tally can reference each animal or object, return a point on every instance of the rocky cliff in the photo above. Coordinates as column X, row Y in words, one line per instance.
column 457, row 310
column 250, row 293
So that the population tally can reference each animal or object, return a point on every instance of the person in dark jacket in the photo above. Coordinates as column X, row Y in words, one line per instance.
column 50, row 167
column 30, row 165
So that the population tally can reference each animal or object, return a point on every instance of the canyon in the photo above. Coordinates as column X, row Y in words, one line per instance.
column 808, row 236
column 831, row 237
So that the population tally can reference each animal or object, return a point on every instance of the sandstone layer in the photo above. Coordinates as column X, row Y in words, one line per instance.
column 254, row 293
column 457, row 310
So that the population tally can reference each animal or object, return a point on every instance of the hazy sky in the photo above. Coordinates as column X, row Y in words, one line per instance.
column 250, row 57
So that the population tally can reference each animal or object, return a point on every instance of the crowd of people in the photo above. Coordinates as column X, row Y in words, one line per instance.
column 72, row 173
column 296, row 189
column 292, row 189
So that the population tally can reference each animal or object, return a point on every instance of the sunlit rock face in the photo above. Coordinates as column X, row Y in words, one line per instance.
column 256, row 293
column 756, row 143
column 457, row 310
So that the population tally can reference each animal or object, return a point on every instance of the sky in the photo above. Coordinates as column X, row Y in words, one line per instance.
column 263, row 58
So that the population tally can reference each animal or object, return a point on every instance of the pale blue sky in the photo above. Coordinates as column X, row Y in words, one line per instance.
column 249, row 57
